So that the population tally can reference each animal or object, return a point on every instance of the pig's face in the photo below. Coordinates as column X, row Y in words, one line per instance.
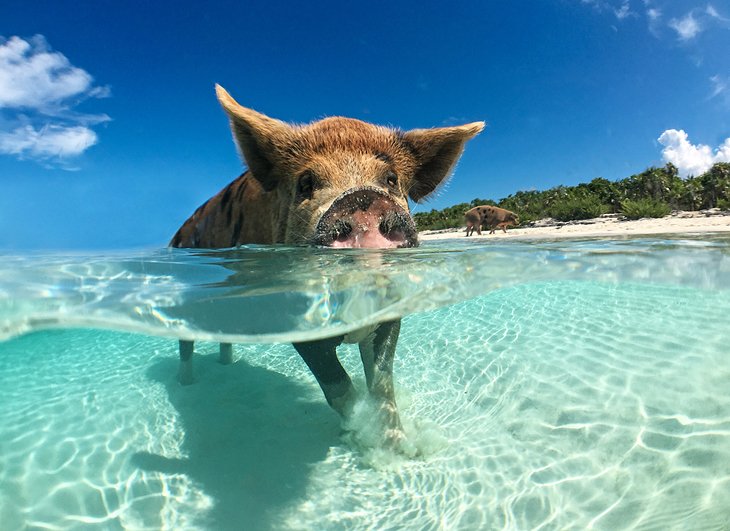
column 342, row 182
column 351, row 188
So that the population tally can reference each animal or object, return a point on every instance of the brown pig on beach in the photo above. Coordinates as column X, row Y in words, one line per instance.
column 491, row 217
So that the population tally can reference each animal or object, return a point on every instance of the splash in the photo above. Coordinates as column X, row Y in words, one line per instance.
column 421, row 438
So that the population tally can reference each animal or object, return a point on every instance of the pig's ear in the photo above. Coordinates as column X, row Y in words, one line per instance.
column 436, row 151
column 261, row 140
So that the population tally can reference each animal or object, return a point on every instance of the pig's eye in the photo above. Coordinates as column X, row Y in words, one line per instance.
column 305, row 185
column 392, row 180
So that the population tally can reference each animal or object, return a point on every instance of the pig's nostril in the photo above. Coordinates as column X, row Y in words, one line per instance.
column 395, row 227
column 391, row 225
column 341, row 230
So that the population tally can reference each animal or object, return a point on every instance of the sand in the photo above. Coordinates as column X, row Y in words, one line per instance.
column 609, row 225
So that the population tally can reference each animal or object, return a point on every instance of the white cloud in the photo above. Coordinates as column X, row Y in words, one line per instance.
column 712, row 12
column 50, row 142
column 39, row 92
column 697, row 21
column 719, row 86
column 33, row 76
column 653, row 13
column 691, row 159
column 623, row 11
column 687, row 28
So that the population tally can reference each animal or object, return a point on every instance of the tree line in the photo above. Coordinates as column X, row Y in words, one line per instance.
column 655, row 192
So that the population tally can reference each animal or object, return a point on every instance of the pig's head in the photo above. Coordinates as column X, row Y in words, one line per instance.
column 342, row 182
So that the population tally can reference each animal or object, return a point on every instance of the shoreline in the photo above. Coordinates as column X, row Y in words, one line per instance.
column 608, row 225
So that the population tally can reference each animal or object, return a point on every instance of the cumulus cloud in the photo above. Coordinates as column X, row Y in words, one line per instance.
column 52, row 141
column 39, row 92
column 691, row 159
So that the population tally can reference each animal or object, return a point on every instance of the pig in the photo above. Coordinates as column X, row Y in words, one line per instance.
column 340, row 183
column 491, row 217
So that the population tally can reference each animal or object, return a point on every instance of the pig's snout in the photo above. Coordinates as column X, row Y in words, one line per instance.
column 366, row 218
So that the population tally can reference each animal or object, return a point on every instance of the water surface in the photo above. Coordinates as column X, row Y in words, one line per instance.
column 547, row 385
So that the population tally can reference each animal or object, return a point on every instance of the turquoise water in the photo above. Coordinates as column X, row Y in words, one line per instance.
column 548, row 385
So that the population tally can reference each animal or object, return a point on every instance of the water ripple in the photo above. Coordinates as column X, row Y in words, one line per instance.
column 280, row 294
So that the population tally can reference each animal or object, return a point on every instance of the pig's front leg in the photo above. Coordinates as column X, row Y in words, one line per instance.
column 321, row 358
column 185, row 374
column 378, row 351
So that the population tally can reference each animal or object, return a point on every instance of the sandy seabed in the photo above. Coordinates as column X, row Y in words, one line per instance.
column 609, row 225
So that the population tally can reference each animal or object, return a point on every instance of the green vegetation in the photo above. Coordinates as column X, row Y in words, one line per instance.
column 644, row 208
column 578, row 208
column 652, row 193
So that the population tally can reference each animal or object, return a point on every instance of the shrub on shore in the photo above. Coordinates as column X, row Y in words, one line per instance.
column 644, row 208
column 580, row 208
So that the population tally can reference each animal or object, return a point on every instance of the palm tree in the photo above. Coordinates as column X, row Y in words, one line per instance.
column 693, row 192
column 715, row 183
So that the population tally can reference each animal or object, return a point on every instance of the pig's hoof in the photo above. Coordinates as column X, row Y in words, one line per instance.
column 394, row 437
column 395, row 440
column 344, row 405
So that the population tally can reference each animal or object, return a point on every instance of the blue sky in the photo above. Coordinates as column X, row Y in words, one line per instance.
column 111, row 136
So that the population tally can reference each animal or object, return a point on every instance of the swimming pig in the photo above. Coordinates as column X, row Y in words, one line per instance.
column 491, row 217
column 338, row 182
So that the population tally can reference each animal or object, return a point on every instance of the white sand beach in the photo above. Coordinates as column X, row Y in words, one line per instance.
column 609, row 225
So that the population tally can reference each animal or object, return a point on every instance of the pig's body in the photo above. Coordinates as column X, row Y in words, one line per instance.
column 240, row 213
column 489, row 216
column 338, row 182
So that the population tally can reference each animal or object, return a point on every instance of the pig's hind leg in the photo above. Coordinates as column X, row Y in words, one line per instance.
column 187, row 348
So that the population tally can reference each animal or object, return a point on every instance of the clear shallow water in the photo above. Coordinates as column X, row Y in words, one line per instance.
column 557, row 385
